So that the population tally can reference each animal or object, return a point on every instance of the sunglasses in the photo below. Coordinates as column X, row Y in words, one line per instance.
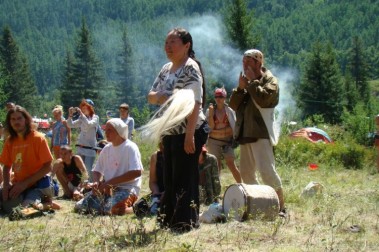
column 219, row 97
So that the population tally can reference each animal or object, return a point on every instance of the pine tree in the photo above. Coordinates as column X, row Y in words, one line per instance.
column 321, row 90
column 239, row 25
column 359, row 69
column 126, row 72
column 3, row 97
column 19, row 86
column 69, row 95
column 352, row 95
column 87, row 70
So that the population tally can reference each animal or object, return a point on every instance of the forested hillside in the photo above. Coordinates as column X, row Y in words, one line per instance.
column 46, row 30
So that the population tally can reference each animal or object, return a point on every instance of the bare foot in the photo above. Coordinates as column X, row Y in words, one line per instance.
column 77, row 196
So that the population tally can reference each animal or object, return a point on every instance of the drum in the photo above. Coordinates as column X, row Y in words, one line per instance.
column 242, row 202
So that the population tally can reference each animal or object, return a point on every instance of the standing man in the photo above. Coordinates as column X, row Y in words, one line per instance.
column 128, row 120
column 254, row 101
column 26, row 152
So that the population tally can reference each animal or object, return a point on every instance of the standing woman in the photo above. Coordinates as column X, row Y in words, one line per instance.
column 221, row 119
column 88, row 123
column 61, row 133
column 181, row 144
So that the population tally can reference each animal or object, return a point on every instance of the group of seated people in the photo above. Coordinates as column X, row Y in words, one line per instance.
column 28, row 168
column 113, row 185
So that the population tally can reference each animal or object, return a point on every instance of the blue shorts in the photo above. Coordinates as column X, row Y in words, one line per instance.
column 115, row 204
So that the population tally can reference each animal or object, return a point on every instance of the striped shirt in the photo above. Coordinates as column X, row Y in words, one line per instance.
column 188, row 77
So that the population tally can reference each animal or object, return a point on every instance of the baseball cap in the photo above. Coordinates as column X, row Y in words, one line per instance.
column 220, row 92
column 204, row 148
column 90, row 102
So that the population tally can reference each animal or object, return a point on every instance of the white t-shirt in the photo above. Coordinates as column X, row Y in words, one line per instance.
column 115, row 161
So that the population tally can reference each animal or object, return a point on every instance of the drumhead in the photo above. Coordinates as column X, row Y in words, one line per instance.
column 234, row 202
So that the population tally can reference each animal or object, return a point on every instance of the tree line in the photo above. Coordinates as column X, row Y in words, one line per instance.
column 334, row 65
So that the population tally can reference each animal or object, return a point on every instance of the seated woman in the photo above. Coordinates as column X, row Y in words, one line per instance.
column 156, row 179
column 117, row 174
column 209, row 180
column 71, row 173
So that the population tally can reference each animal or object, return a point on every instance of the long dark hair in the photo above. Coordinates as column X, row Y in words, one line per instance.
column 28, row 122
column 186, row 37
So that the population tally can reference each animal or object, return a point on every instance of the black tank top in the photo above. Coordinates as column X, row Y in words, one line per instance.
column 72, row 172
column 160, row 170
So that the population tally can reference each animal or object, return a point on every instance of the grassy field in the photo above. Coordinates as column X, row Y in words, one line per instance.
column 344, row 218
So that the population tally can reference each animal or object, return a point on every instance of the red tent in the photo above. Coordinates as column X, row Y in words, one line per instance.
column 312, row 134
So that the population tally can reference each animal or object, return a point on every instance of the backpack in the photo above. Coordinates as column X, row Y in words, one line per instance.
column 141, row 208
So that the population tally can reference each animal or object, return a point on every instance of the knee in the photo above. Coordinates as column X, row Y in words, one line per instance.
column 272, row 179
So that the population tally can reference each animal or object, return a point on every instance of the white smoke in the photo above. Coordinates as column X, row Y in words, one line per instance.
column 225, row 63
column 221, row 63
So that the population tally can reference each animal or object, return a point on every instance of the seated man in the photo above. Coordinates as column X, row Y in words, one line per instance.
column 209, row 180
column 117, row 174
column 26, row 153
column 71, row 173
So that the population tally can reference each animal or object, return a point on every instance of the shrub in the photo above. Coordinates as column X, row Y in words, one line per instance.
column 299, row 152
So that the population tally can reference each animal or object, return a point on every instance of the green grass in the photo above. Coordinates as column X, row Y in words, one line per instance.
column 351, row 197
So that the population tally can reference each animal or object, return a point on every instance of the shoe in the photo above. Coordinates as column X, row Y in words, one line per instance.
column 283, row 213
column 21, row 213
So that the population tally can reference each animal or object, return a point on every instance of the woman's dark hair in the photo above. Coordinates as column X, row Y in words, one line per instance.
column 28, row 121
column 186, row 37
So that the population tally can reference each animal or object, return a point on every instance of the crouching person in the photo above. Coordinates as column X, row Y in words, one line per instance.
column 26, row 153
column 117, row 174
column 71, row 173
column 209, row 179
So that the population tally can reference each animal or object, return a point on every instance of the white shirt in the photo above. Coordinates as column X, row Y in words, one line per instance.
column 115, row 161
column 87, row 136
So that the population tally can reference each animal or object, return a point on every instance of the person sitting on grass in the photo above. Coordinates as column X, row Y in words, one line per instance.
column 209, row 179
column 26, row 153
column 71, row 173
column 117, row 174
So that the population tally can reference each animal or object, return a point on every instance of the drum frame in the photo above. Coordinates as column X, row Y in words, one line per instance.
column 245, row 212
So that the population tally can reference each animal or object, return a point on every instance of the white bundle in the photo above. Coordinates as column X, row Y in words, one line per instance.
column 213, row 214
column 172, row 112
